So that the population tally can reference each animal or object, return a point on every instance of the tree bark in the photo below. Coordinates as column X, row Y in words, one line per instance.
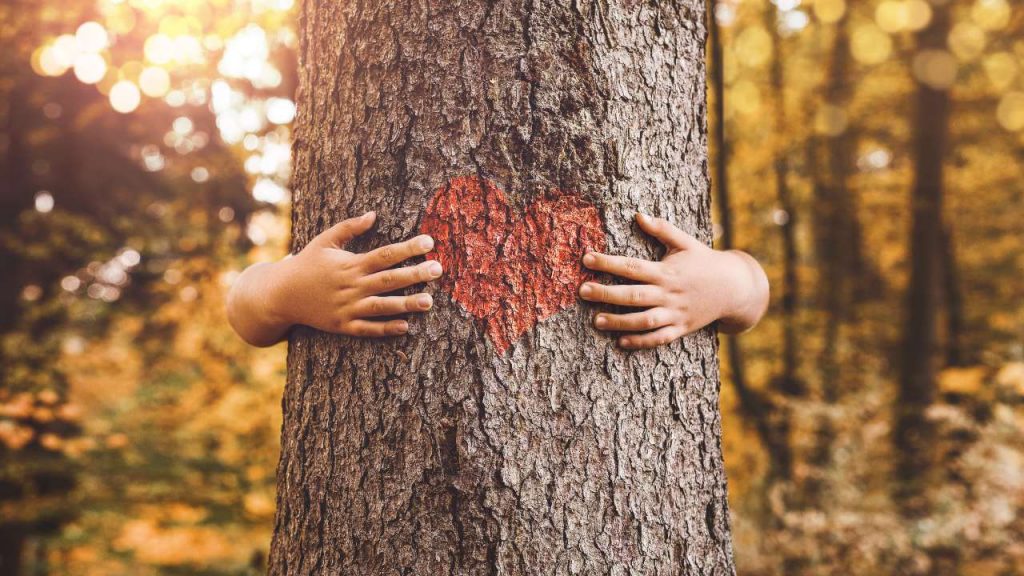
column 470, row 446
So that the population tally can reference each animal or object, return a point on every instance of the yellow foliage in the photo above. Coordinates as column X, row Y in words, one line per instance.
column 177, row 545
column 1011, row 378
column 967, row 381
column 259, row 505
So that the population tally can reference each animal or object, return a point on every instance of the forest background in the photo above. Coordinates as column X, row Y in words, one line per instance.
column 867, row 153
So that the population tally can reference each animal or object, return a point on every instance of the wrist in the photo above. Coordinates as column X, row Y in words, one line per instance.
column 748, row 292
column 275, row 309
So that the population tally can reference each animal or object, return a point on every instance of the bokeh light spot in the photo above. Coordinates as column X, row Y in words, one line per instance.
column 745, row 98
column 182, row 125
column 870, row 45
column 1001, row 69
column 90, row 68
column 753, row 47
column 200, row 174
column 991, row 14
column 44, row 202
column 830, row 11
column 91, row 37
column 159, row 49
column 935, row 68
column 280, row 110
column 967, row 40
column 154, row 81
column 125, row 97
column 892, row 16
column 919, row 14
column 1010, row 112
column 49, row 62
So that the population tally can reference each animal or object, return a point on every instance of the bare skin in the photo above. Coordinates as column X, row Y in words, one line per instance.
column 691, row 287
column 331, row 289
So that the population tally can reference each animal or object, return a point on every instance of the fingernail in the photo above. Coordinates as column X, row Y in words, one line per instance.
column 425, row 242
column 600, row 321
column 424, row 301
column 403, row 326
column 585, row 290
column 642, row 217
column 589, row 259
column 370, row 214
column 434, row 268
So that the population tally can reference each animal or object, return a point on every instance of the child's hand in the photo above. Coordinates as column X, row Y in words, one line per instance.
column 331, row 289
column 690, row 288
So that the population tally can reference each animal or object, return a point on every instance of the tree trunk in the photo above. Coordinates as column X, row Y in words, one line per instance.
column 917, row 378
column 838, row 232
column 504, row 435
column 752, row 403
column 956, row 353
column 12, row 548
column 789, row 382
column 838, row 239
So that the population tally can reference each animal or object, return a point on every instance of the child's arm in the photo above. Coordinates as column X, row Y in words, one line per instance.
column 690, row 288
column 331, row 289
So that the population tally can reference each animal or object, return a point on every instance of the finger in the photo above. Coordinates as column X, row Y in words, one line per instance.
column 344, row 231
column 370, row 329
column 635, row 322
column 387, row 256
column 659, row 337
column 391, row 305
column 667, row 233
column 632, row 268
column 625, row 295
column 395, row 278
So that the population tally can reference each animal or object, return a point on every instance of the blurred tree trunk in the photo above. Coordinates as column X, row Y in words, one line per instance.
column 14, row 182
column 838, row 236
column 917, row 378
column 440, row 452
column 721, row 143
column 838, row 242
column 12, row 548
column 789, row 381
column 14, row 193
column 753, row 404
column 954, row 301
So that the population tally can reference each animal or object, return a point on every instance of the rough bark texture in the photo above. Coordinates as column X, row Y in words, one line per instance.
column 440, row 452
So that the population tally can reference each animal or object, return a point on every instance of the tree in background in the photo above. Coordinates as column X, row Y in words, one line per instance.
column 917, row 384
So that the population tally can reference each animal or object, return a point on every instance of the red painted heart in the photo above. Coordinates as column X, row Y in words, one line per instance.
column 510, row 271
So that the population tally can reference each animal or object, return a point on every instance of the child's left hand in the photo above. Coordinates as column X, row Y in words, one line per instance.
column 690, row 288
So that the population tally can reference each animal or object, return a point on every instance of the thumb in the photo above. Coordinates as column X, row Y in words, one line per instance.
column 667, row 233
column 344, row 231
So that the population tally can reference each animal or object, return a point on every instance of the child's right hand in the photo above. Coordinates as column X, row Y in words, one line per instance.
column 329, row 288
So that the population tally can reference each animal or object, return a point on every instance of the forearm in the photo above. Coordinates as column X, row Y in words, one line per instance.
column 252, row 308
column 750, row 300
